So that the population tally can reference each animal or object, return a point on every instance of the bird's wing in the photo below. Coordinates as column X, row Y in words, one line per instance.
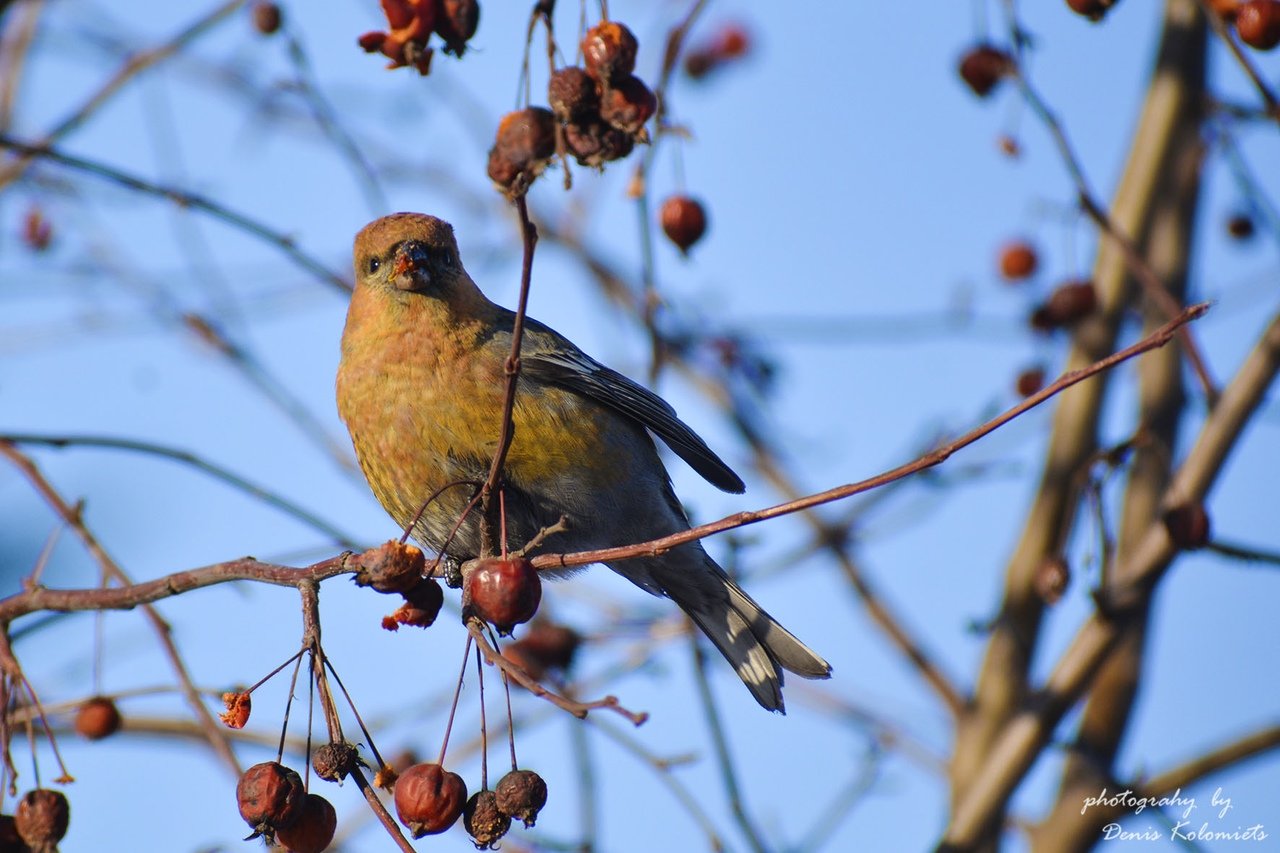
column 571, row 369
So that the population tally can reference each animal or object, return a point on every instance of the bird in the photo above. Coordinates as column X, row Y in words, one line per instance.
column 421, row 385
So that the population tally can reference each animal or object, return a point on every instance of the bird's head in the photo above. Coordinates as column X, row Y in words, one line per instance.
column 407, row 255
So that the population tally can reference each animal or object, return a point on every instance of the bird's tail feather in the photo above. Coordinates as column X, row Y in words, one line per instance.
column 753, row 642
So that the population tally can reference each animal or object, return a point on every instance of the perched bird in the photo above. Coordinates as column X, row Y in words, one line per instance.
column 421, row 387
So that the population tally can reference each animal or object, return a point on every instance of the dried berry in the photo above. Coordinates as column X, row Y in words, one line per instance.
column 97, row 718
column 1258, row 23
column 609, row 52
column 596, row 143
column 1052, row 578
column 983, row 66
column 42, row 818
column 334, row 762
column 1091, row 9
column 238, row 705
column 1030, row 381
column 456, row 23
column 1240, row 226
column 521, row 794
column 266, row 18
column 1068, row 304
column 391, row 567
column 572, row 94
column 547, row 645
column 502, row 591
column 525, row 143
column 10, row 840
column 313, row 830
column 1018, row 260
column 1188, row 526
column 483, row 820
column 684, row 221
column 429, row 799
column 37, row 231
column 270, row 796
column 627, row 105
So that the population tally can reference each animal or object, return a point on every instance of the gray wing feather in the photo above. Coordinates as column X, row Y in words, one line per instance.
column 576, row 371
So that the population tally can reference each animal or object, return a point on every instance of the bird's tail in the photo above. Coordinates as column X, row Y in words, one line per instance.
column 753, row 642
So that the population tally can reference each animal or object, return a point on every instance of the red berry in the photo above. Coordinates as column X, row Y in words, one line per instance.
column 572, row 94
column 1188, row 526
column 609, row 52
column 1091, row 9
column 1030, row 381
column 484, row 822
column 97, row 718
column 1258, row 23
column 983, row 66
column 684, row 221
column 270, row 796
column 627, row 105
column 733, row 41
column 521, row 794
column 456, row 22
column 42, row 819
column 1067, row 305
column 1240, row 226
column 504, row 592
column 429, row 799
column 1052, row 578
column 266, row 18
column 313, row 830
column 391, row 567
column 525, row 143
column 1018, row 260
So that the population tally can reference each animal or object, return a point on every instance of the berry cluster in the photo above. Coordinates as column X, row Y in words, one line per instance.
column 410, row 25
column 274, row 801
column 598, row 113
column 430, row 799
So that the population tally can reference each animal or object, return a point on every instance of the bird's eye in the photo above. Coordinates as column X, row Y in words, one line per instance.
column 371, row 265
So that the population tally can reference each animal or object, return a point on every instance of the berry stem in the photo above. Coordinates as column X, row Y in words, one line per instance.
column 457, row 693
column 484, row 731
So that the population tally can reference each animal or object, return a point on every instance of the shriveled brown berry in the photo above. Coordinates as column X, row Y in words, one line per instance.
column 42, row 818
column 429, row 799
column 333, row 762
column 391, row 567
column 1052, row 578
column 983, row 67
column 502, row 591
column 239, row 705
column 609, row 52
column 1091, row 9
column 521, row 794
column 313, row 831
column 97, row 718
column 1030, row 381
column 37, row 231
column 1068, row 304
column 484, row 822
column 684, row 221
column 456, row 22
column 572, row 94
column 266, row 18
column 1240, row 226
column 1188, row 526
column 525, row 143
column 596, row 143
column 627, row 105
column 549, row 645
column 1258, row 23
column 270, row 796
column 1018, row 260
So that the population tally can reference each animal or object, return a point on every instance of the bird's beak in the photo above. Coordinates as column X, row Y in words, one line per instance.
column 411, row 271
